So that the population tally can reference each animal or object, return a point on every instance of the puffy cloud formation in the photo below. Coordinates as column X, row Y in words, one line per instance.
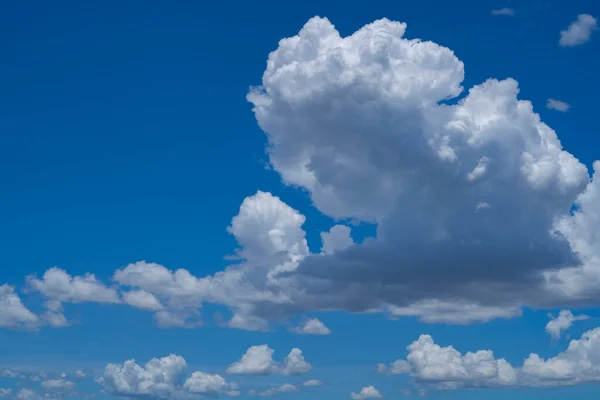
column 367, row 392
column 58, row 285
column 161, row 378
column 579, row 364
column 295, row 364
column 557, row 105
column 209, row 384
column 579, row 31
column 258, row 360
column 563, row 321
column 504, row 11
column 312, row 326
column 13, row 314
column 472, row 198
column 466, row 196
column 446, row 368
column 5, row 393
column 79, row 374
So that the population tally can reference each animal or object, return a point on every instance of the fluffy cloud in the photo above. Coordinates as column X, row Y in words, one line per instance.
column 209, row 384
column 504, row 11
column 579, row 364
column 157, row 378
column 5, row 393
column 295, row 364
column 367, row 392
column 79, row 374
column 556, row 326
column 13, row 314
column 579, row 31
column 161, row 378
column 58, row 285
column 446, row 368
column 312, row 383
column 356, row 121
column 8, row 373
column 258, row 360
column 142, row 300
column 557, row 105
column 312, row 326
column 472, row 198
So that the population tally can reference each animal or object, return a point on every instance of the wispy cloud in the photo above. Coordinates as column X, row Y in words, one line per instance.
column 504, row 11
column 558, row 105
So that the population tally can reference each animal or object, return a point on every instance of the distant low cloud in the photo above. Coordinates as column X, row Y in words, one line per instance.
column 504, row 11
column 447, row 368
column 579, row 31
column 558, row 105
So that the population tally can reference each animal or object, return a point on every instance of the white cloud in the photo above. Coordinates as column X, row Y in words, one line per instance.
column 158, row 378
column 556, row 326
column 57, row 385
column 579, row 364
column 5, row 393
column 367, row 392
column 8, row 373
column 13, row 314
column 446, row 368
column 374, row 145
column 312, row 326
column 557, row 105
column 58, row 285
column 504, row 11
column 295, row 364
column 579, row 31
column 142, row 300
column 162, row 378
column 312, row 383
column 209, row 384
column 258, row 360
column 79, row 374
column 285, row 388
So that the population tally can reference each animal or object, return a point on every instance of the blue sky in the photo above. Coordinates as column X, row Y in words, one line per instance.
column 136, row 134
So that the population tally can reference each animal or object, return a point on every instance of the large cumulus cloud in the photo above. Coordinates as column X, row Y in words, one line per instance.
column 472, row 195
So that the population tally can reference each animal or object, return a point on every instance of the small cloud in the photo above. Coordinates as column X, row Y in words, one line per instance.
column 368, row 392
column 312, row 327
column 558, row 105
column 557, row 325
column 312, row 383
column 578, row 32
column 504, row 11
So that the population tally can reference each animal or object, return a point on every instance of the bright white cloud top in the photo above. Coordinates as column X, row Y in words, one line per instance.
column 563, row 321
column 446, row 368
